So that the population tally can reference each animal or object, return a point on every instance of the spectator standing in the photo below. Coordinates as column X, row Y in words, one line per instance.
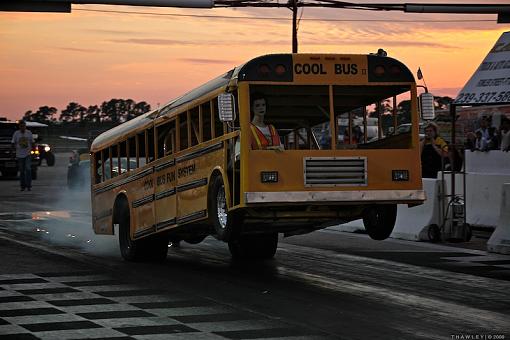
column 480, row 142
column 433, row 151
column 505, row 134
column 493, row 141
column 484, row 128
column 23, row 141
column 470, row 141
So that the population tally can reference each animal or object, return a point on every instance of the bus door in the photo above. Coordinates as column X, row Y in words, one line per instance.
column 165, row 203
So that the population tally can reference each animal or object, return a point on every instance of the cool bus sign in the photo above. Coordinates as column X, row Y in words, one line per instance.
column 314, row 69
column 490, row 84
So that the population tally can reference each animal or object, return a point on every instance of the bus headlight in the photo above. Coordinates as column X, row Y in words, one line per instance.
column 269, row 176
column 400, row 175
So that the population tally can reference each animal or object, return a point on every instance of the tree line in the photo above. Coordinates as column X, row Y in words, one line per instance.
column 111, row 111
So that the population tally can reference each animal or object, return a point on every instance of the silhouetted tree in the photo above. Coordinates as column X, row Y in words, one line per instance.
column 45, row 114
column 93, row 114
column 74, row 112
column 122, row 110
column 141, row 108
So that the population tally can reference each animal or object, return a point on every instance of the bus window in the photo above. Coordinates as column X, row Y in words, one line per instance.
column 300, row 114
column 183, row 131
column 126, row 163
column 98, row 166
column 151, row 154
column 195, row 126
column 369, row 117
column 141, row 149
column 166, row 139
column 206, row 121
column 132, row 152
column 218, row 125
column 115, row 157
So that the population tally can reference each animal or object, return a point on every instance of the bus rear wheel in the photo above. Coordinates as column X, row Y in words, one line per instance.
column 379, row 220
column 256, row 246
column 221, row 219
column 129, row 249
column 151, row 248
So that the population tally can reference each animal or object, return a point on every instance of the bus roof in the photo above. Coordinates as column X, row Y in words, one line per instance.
column 249, row 71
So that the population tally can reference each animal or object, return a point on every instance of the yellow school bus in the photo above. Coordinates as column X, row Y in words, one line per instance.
column 285, row 143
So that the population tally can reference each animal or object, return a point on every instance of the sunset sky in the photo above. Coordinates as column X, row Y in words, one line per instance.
column 90, row 56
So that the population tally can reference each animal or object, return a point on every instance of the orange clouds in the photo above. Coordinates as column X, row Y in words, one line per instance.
column 89, row 57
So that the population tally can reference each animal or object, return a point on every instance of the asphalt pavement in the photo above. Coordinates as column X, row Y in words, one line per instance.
column 59, row 280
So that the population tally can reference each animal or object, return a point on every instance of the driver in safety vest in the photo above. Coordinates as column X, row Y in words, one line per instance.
column 263, row 136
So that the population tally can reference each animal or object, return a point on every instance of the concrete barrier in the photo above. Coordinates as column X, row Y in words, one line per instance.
column 500, row 239
column 482, row 198
column 412, row 223
column 491, row 162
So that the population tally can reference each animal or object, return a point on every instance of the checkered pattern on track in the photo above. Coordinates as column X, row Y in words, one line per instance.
column 86, row 305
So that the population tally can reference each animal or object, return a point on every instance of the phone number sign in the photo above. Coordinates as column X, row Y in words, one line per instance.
column 490, row 84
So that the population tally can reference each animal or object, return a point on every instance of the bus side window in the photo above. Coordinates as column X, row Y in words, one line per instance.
column 141, row 149
column 183, row 130
column 150, row 144
column 195, row 126
column 218, row 125
column 98, row 165
column 132, row 153
column 206, row 121
column 166, row 139
column 102, row 170
column 114, row 162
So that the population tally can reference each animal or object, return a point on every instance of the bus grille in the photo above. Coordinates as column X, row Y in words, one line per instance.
column 335, row 171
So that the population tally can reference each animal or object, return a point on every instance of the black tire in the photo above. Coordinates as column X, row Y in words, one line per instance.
column 151, row 248
column 34, row 173
column 434, row 233
column 50, row 159
column 129, row 249
column 254, row 247
column 379, row 221
column 222, row 220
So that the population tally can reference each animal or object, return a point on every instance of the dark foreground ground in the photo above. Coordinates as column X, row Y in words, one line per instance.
column 59, row 281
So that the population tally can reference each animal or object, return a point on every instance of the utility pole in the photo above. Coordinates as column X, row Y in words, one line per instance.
column 294, row 26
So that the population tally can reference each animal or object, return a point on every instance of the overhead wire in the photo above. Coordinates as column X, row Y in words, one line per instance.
column 277, row 18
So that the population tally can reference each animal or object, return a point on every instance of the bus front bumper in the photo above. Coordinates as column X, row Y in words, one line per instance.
column 338, row 197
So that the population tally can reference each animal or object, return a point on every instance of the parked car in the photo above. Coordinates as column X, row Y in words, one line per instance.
column 46, row 153
column 78, row 169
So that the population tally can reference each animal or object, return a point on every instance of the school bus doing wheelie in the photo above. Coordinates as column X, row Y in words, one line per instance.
column 285, row 143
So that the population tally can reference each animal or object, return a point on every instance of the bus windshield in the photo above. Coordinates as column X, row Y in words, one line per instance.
column 365, row 116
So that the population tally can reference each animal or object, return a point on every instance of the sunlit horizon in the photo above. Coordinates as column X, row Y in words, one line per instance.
column 89, row 57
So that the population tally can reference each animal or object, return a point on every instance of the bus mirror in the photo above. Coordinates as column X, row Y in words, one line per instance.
column 226, row 107
column 427, row 106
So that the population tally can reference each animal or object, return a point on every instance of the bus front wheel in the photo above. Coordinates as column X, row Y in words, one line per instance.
column 221, row 219
column 256, row 247
column 379, row 220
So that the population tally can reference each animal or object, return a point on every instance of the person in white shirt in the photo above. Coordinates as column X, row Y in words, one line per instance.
column 23, row 141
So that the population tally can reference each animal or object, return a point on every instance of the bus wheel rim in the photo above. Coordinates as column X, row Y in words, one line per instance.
column 221, row 207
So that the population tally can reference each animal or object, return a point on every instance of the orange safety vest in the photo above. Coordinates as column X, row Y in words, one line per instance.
column 259, row 140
